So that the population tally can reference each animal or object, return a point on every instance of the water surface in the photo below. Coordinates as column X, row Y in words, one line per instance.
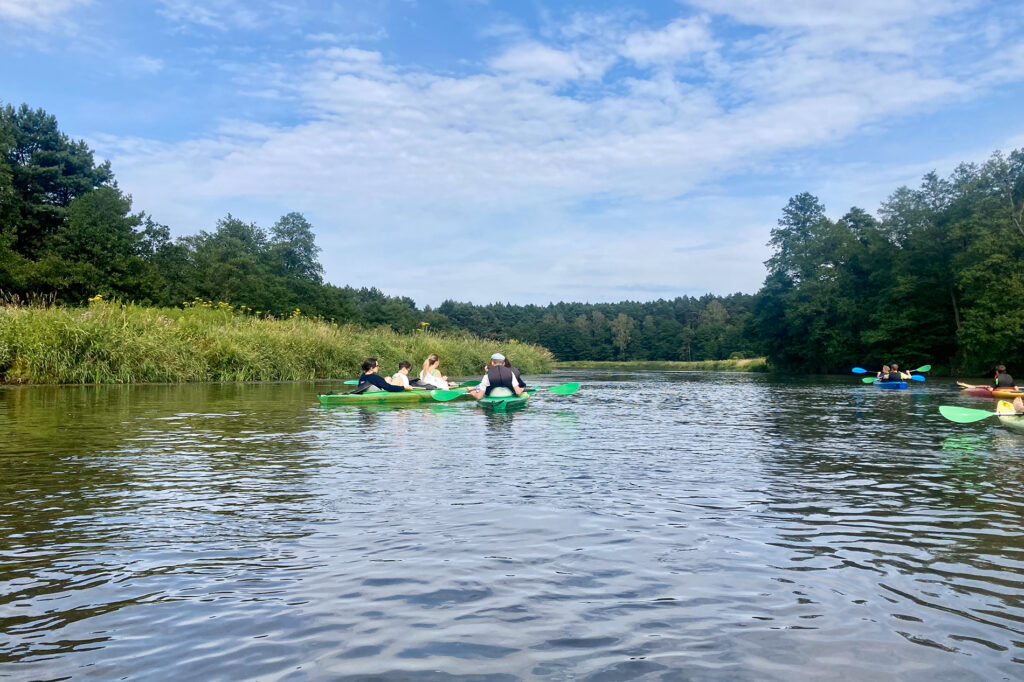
column 656, row 525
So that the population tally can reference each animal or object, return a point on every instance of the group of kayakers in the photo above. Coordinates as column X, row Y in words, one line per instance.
column 500, row 378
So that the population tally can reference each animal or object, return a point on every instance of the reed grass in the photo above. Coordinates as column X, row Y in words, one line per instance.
column 745, row 365
column 110, row 342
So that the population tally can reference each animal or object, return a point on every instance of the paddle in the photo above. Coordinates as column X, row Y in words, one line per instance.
column 560, row 389
column 469, row 384
column 444, row 396
column 965, row 415
column 871, row 380
column 861, row 370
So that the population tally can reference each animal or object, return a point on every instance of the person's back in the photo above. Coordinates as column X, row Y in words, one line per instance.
column 1003, row 378
column 401, row 377
column 515, row 371
column 501, row 381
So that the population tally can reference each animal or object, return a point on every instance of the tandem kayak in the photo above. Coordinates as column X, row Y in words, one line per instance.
column 378, row 397
column 984, row 391
column 1013, row 421
column 895, row 385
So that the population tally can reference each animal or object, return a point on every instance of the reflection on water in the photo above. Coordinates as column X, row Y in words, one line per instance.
column 654, row 525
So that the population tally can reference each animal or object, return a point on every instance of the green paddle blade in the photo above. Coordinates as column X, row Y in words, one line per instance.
column 565, row 389
column 351, row 382
column 922, row 368
column 469, row 384
column 963, row 415
column 444, row 396
column 868, row 380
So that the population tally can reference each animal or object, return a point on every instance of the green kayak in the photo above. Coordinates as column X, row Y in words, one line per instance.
column 377, row 397
column 502, row 403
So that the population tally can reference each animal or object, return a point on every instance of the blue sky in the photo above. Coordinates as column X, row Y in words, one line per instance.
column 522, row 151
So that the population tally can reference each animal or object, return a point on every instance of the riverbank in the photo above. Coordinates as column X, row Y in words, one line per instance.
column 746, row 365
column 114, row 343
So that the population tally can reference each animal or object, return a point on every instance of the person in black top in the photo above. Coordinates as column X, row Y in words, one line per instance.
column 515, row 371
column 370, row 376
column 498, row 377
column 1003, row 380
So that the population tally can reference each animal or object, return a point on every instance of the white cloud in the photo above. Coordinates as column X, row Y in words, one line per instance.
column 143, row 66
column 681, row 39
column 443, row 165
column 539, row 62
column 37, row 13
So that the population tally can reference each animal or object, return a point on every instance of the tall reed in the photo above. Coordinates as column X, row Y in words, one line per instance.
column 111, row 342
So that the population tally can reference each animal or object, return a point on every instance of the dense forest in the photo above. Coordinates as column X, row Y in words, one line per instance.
column 936, row 277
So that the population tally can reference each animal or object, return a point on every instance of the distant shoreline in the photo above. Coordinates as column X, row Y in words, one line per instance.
column 745, row 365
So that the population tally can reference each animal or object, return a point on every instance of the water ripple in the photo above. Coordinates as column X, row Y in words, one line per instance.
column 653, row 526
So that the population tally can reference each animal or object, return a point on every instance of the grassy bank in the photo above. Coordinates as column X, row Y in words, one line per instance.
column 748, row 365
column 114, row 343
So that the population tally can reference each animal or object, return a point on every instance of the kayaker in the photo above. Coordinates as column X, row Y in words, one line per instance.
column 431, row 373
column 499, row 381
column 884, row 374
column 375, row 381
column 1002, row 379
column 515, row 370
column 901, row 376
column 401, row 377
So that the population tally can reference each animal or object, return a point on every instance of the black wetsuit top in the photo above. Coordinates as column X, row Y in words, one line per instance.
column 1004, row 380
column 499, row 376
column 378, row 381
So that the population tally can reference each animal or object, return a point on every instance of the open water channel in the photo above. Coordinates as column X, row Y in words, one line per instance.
column 653, row 526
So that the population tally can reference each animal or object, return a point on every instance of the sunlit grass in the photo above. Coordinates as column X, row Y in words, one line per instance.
column 110, row 342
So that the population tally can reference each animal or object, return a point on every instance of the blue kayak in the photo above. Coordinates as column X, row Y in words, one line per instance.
column 895, row 385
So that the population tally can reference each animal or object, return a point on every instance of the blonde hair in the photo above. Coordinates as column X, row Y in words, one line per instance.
column 431, row 359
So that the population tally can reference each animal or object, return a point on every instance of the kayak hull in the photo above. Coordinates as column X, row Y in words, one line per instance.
column 1015, row 422
column 892, row 385
column 502, row 404
column 983, row 391
column 378, row 398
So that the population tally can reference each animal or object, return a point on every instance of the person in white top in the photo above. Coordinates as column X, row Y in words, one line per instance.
column 431, row 374
column 498, row 381
column 401, row 377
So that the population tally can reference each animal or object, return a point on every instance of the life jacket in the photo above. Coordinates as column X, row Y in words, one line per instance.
column 893, row 376
column 1004, row 380
column 499, row 375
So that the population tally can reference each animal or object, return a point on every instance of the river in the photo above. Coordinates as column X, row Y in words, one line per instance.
column 653, row 526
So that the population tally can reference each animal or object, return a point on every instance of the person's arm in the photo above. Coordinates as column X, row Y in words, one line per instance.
column 478, row 392
column 517, row 386
column 380, row 382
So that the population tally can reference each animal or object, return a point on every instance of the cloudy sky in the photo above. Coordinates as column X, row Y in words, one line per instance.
column 522, row 151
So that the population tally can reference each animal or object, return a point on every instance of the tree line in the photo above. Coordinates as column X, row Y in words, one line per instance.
column 67, row 231
column 936, row 277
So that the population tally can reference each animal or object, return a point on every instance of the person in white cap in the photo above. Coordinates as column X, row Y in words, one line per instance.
column 499, row 381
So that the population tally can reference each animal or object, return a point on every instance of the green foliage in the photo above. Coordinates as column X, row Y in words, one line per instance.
column 126, row 343
column 940, row 278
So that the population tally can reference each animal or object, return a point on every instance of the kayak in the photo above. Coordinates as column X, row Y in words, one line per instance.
column 983, row 391
column 502, row 403
column 378, row 397
column 1014, row 421
column 895, row 385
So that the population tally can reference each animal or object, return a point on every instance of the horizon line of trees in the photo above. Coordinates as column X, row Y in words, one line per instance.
column 936, row 278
